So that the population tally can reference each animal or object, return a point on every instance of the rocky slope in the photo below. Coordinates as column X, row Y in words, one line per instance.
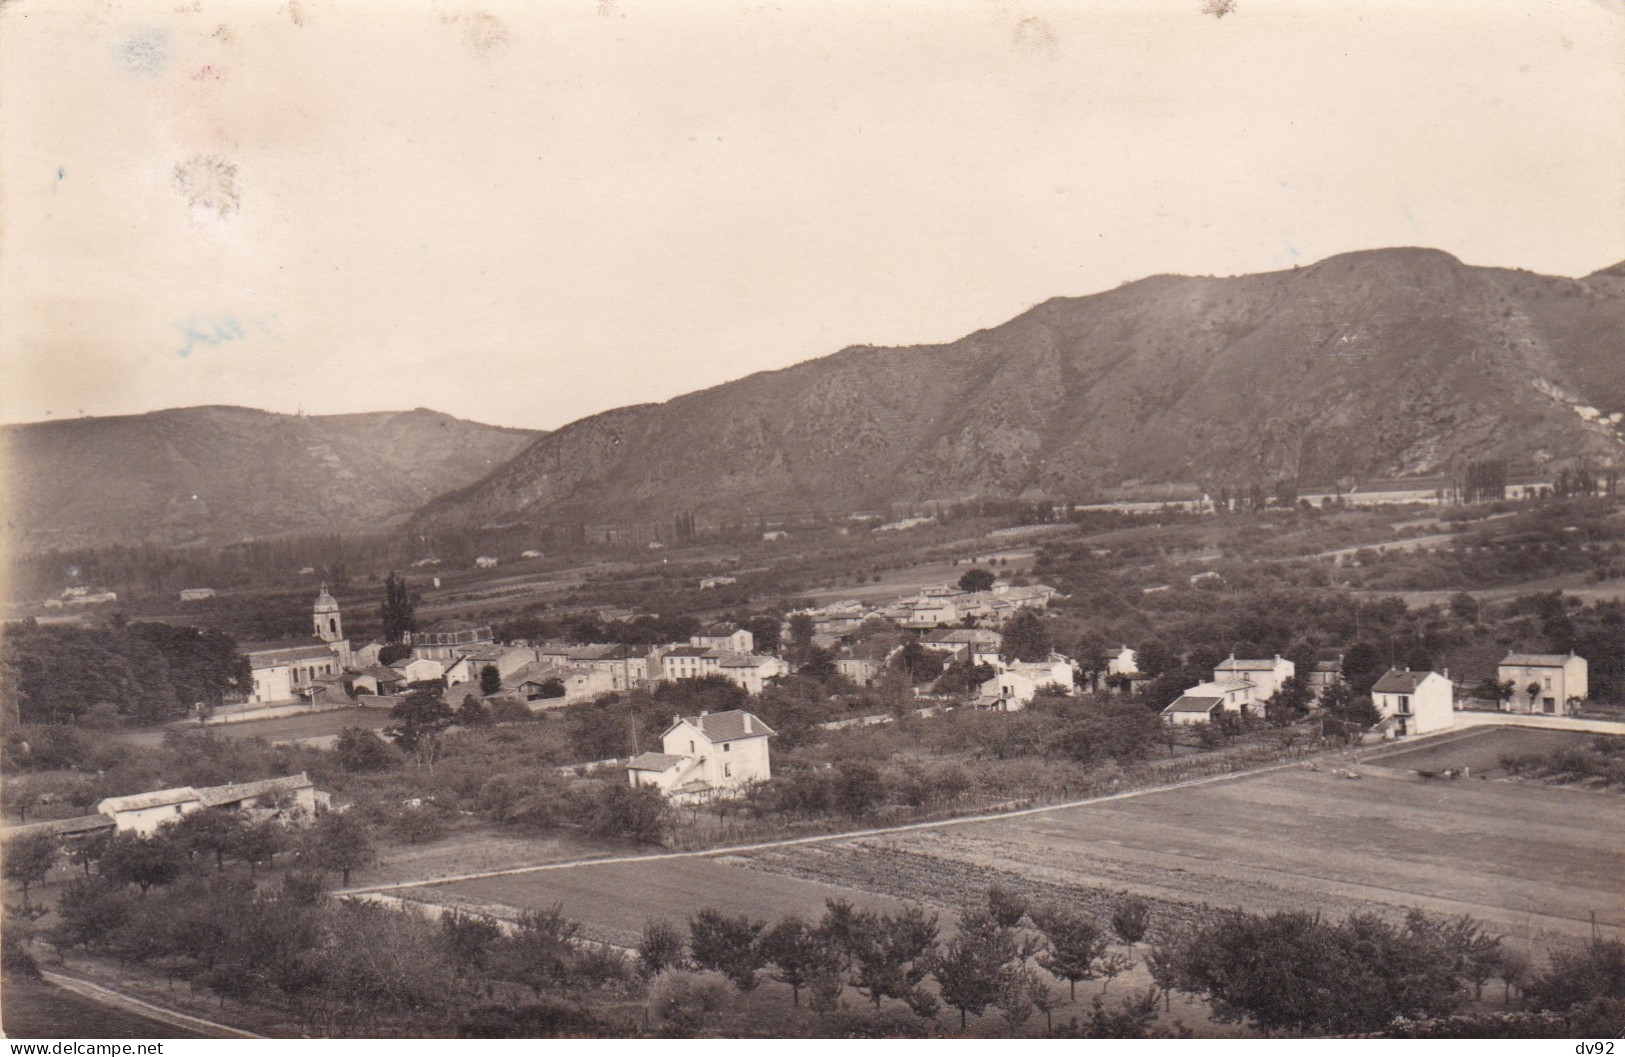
column 1373, row 364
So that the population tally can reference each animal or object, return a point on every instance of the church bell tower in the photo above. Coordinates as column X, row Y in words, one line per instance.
column 329, row 625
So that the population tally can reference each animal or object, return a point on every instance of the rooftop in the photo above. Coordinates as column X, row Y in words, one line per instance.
column 1399, row 682
column 1537, row 660
column 728, row 726
column 654, row 761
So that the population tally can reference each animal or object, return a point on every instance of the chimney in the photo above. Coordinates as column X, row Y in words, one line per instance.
column 703, row 713
column 747, row 723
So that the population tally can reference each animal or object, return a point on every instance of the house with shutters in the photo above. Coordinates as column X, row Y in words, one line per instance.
column 1545, row 683
column 1414, row 702
column 706, row 755
column 1203, row 701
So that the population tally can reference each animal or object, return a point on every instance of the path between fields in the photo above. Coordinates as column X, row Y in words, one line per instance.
column 738, row 849
column 118, row 1000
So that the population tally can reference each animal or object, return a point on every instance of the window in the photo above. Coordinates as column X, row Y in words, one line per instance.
column 177, row 809
column 726, row 746
column 727, row 770
column 691, row 748
column 1548, row 682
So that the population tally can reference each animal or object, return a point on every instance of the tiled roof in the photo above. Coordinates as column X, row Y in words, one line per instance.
column 140, row 801
column 729, row 726
column 61, row 827
column 214, row 796
column 1398, row 682
column 692, row 651
column 1194, row 704
column 1536, row 660
column 654, row 761
column 1231, row 664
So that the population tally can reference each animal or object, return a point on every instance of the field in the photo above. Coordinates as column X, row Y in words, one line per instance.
column 32, row 1009
column 302, row 727
column 1481, row 751
column 1525, row 858
column 615, row 899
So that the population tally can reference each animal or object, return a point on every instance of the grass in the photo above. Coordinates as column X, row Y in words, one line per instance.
column 1481, row 751
column 33, row 1009
column 310, row 725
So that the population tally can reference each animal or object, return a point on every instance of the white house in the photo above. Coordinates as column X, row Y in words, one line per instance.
column 485, row 561
column 724, row 637
column 418, row 669
column 751, row 670
column 1014, row 687
column 196, row 594
column 1414, row 702
column 705, row 755
column 1544, row 682
column 1266, row 675
column 1197, row 705
column 1122, row 661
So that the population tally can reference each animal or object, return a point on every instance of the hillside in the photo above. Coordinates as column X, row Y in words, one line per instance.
column 1384, row 363
column 219, row 474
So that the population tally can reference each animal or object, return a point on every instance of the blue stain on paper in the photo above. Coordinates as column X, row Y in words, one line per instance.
column 143, row 51
column 210, row 331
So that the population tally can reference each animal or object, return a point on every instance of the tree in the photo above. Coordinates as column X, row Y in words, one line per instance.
column 893, row 953
column 1075, row 944
column 1289, row 703
column 259, row 842
column 1018, row 996
column 1464, row 607
column 858, row 788
column 918, row 663
column 1007, row 908
column 1154, row 657
column 731, row 946
column 490, row 680
column 1579, row 975
column 340, row 841
column 361, row 752
column 976, row 579
column 398, row 610
column 1131, row 919
column 1026, row 638
column 970, row 970
column 542, row 949
column 418, row 723
column 639, row 813
column 799, row 955
column 660, row 947
column 28, row 859
column 131, row 858
column 210, row 831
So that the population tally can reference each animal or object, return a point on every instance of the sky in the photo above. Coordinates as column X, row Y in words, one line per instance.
column 527, row 213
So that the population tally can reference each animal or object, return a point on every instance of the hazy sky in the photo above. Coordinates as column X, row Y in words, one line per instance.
column 525, row 213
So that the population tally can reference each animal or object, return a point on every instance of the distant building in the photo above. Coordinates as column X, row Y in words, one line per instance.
column 717, row 581
column 293, row 670
column 724, row 637
column 1545, row 683
column 705, row 755
column 447, row 641
column 1414, row 702
column 196, row 594
column 1014, row 688
column 1325, row 675
column 287, row 799
column 1196, row 705
column 1266, row 675
column 485, row 561
column 530, row 554
column 775, row 535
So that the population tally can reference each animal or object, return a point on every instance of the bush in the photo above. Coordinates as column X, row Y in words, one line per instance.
column 688, row 1000
column 361, row 751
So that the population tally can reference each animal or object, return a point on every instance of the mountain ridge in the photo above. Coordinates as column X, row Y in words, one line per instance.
column 220, row 473
column 1390, row 362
